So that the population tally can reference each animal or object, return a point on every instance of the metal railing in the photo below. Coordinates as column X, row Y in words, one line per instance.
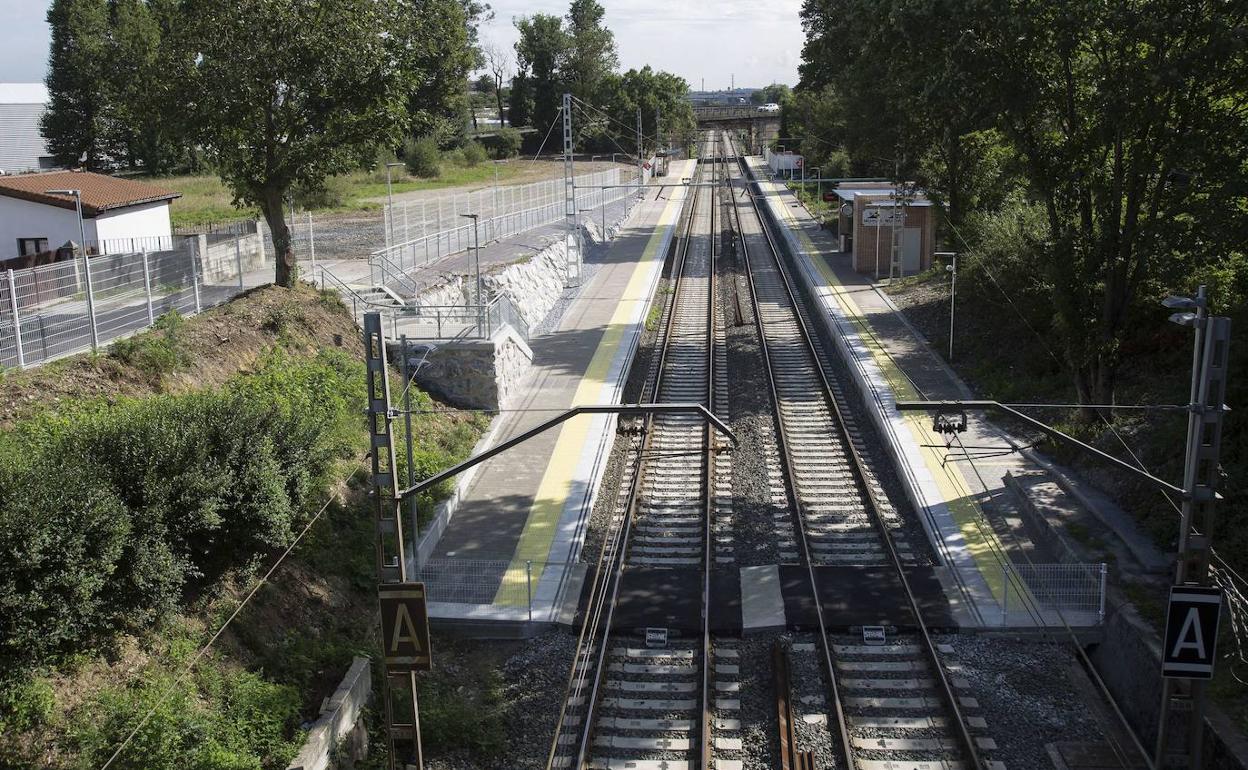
column 476, row 582
column 55, row 310
column 430, row 322
column 508, row 220
column 1045, row 594
column 383, row 272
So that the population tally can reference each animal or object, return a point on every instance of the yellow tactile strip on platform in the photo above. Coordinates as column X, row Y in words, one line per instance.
column 556, row 484
column 981, row 541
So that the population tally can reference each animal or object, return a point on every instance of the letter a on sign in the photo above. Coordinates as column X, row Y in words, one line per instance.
column 404, row 626
column 1191, row 632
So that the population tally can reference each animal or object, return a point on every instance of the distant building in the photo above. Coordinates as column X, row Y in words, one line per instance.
column 22, row 146
column 118, row 215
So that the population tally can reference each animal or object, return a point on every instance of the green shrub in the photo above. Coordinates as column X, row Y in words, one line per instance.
column 474, row 154
column 25, row 704
column 110, row 513
column 333, row 193
column 422, row 158
column 157, row 351
column 215, row 720
column 507, row 143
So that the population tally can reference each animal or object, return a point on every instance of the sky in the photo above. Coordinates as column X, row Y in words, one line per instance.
column 758, row 42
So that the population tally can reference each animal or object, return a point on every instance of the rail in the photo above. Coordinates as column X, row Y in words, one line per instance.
column 589, row 661
column 945, row 688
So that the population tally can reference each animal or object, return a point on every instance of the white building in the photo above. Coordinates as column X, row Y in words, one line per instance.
column 22, row 146
column 118, row 214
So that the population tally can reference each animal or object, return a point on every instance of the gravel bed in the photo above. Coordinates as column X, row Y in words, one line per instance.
column 534, row 673
column 1027, row 692
column 752, row 421
column 810, row 697
column 759, row 732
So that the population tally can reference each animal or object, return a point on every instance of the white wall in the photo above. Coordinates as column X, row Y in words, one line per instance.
column 148, row 221
column 25, row 219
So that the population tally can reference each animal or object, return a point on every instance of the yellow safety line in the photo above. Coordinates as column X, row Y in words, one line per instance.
column 981, row 540
column 556, row 485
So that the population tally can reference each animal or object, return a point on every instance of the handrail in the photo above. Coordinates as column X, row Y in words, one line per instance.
column 343, row 287
column 377, row 259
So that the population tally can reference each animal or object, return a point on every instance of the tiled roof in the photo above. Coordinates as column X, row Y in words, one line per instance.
column 100, row 192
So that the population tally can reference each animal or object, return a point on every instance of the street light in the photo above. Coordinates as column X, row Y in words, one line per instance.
column 476, row 252
column 82, row 239
column 390, row 204
column 952, row 269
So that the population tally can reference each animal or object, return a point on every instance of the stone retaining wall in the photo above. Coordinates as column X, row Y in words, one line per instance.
column 338, row 732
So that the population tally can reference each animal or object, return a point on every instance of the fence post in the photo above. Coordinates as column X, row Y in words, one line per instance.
column 1005, row 593
column 1100, row 612
column 147, row 286
column 194, row 273
column 17, row 321
column 238, row 260
column 312, row 241
column 528, row 582
column 95, row 331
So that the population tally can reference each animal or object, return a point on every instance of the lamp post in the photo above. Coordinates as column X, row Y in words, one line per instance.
column 952, row 269
column 818, row 184
column 476, row 254
column 390, row 204
column 82, row 241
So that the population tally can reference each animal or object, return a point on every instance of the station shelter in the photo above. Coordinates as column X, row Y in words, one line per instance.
column 888, row 230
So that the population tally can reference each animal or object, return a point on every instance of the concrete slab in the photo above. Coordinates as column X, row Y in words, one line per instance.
column 762, row 603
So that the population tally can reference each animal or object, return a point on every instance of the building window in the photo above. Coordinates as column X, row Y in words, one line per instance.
column 27, row 247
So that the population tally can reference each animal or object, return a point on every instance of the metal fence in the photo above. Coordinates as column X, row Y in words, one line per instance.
column 1047, row 594
column 498, row 582
column 502, row 212
column 55, row 310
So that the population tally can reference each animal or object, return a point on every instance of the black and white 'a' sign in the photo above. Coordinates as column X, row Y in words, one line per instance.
column 1191, row 632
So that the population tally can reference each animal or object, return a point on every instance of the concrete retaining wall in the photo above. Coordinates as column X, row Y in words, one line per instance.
column 338, row 731
column 474, row 374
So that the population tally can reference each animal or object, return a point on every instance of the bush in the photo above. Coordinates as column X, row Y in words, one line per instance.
column 111, row 513
column 422, row 158
column 219, row 720
column 474, row 154
column 333, row 193
column 158, row 351
column 507, row 143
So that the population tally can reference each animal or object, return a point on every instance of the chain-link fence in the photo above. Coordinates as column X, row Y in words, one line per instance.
column 54, row 310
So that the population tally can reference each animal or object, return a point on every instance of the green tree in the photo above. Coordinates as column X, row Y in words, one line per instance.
column 520, row 101
column 645, row 89
column 539, row 55
column 76, row 123
column 286, row 93
column 591, row 54
column 776, row 93
column 440, row 37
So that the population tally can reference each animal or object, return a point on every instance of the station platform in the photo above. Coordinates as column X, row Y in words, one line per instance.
column 992, row 573
column 508, row 552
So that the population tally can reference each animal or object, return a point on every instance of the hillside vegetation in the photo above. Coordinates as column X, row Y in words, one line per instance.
column 142, row 490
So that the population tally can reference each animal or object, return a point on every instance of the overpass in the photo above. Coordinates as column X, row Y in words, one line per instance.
column 756, row 128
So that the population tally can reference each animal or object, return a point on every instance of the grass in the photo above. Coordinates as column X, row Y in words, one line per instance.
column 206, row 198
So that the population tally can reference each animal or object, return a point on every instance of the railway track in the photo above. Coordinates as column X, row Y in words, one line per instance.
column 635, row 702
column 896, row 703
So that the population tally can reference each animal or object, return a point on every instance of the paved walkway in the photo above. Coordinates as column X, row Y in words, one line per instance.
column 525, row 512
column 959, row 490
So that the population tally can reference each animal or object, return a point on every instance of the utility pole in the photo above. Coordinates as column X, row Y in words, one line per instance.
column 639, row 150
column 570, row 239
column 952, row 269
column 1201, row 474
column 391, row 543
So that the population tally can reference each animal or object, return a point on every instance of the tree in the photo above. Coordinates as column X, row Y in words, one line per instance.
column 286, row 93
column 646, row 90
column 591, row 54
column 539, row 53
column 776, row 93
column 520, row 101
column 75, row 124
column 498, row 64
column 440, row 36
